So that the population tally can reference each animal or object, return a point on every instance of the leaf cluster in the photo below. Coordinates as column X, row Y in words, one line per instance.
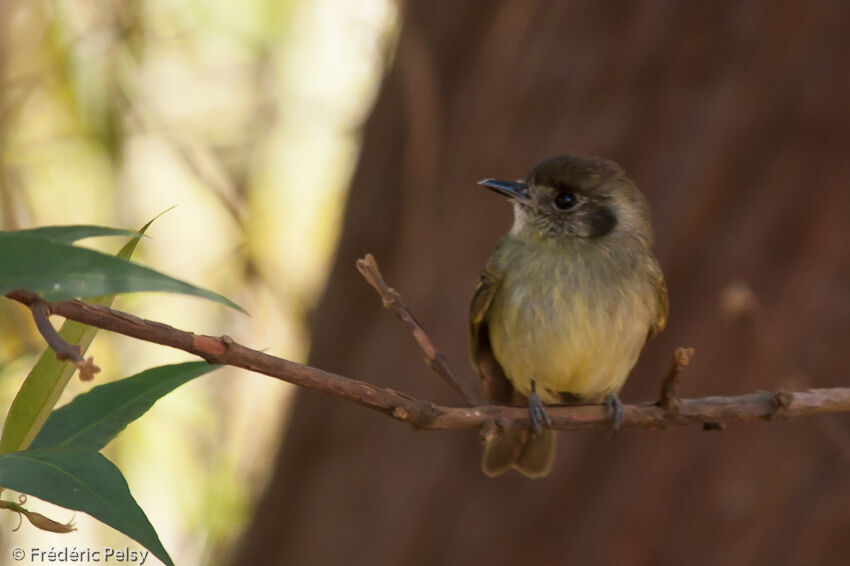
column 55, row 454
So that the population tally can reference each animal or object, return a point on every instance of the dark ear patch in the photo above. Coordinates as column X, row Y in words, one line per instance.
column 602, row 221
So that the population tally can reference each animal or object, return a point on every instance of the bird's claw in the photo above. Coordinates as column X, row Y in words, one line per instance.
column 615, row 411
column 538, row 413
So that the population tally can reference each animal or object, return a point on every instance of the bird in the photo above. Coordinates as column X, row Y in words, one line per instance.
column 566, row 302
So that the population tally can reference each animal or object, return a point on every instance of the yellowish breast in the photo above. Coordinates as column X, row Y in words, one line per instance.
column 571, row 326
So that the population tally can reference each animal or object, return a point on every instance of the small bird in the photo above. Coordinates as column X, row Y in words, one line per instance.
column 566, row 303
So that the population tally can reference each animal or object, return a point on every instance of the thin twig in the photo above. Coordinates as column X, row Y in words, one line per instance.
column 393, row 302
column 40, row 310
column 425, row 415
column 670, row 385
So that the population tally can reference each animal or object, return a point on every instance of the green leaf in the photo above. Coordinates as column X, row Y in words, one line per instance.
column 70, row 234
column 49, row 376
column 92, row 419
column 60, row 271
column 83, row 480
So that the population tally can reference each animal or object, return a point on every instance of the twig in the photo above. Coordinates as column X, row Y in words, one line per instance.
column 670, row 385
column 40, row 310
column 393, row 302
column 37, row 519
column 425, row 415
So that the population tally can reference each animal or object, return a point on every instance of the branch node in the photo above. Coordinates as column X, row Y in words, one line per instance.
column 400, row 413
column 780, row 401
column 503, row 422
column 488, row 432
column 87, row 369
column 69, row 353
column 392, row 299
column 210, row 346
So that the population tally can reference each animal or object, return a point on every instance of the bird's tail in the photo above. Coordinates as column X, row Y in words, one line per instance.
column 529, row 454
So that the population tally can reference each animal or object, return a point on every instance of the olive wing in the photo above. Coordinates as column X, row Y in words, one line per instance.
column 663, row 305
column 495, row 386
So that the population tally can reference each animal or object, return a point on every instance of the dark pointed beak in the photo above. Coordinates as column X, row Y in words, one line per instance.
column 511, row 189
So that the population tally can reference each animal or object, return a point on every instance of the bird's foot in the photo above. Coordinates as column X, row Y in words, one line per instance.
column 615, row 411
column 537, row 412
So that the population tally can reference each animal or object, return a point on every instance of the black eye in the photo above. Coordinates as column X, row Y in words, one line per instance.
column 565, row 200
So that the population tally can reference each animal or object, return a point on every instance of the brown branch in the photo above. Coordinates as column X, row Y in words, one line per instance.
column 670, row 385
column 40, row 310
column 393, row 302
column 426, row 415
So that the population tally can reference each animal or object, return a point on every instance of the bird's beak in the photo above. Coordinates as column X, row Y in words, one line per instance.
column 511, row 189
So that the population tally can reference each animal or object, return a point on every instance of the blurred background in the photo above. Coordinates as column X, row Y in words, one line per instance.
column 244, row 116
column 297, row 136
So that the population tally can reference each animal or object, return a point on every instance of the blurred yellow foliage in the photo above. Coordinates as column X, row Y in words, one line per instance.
column 243, row 114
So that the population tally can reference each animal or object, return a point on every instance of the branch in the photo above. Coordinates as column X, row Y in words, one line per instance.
column 392, row 301
column 425, row 415
column 40, row 310
column 670, row 385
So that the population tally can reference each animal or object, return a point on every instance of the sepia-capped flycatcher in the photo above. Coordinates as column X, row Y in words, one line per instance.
column 566, row 302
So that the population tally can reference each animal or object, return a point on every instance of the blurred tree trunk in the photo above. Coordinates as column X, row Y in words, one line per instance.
column 734, row 122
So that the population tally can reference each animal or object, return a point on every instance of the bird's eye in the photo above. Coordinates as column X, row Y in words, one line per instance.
column 565, row 200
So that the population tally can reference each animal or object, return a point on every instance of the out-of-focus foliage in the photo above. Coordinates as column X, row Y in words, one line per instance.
column 246, row 116
column 67, row 272
column 49, row 376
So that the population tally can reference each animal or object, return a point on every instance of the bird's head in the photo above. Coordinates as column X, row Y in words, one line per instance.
column 571, row 197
